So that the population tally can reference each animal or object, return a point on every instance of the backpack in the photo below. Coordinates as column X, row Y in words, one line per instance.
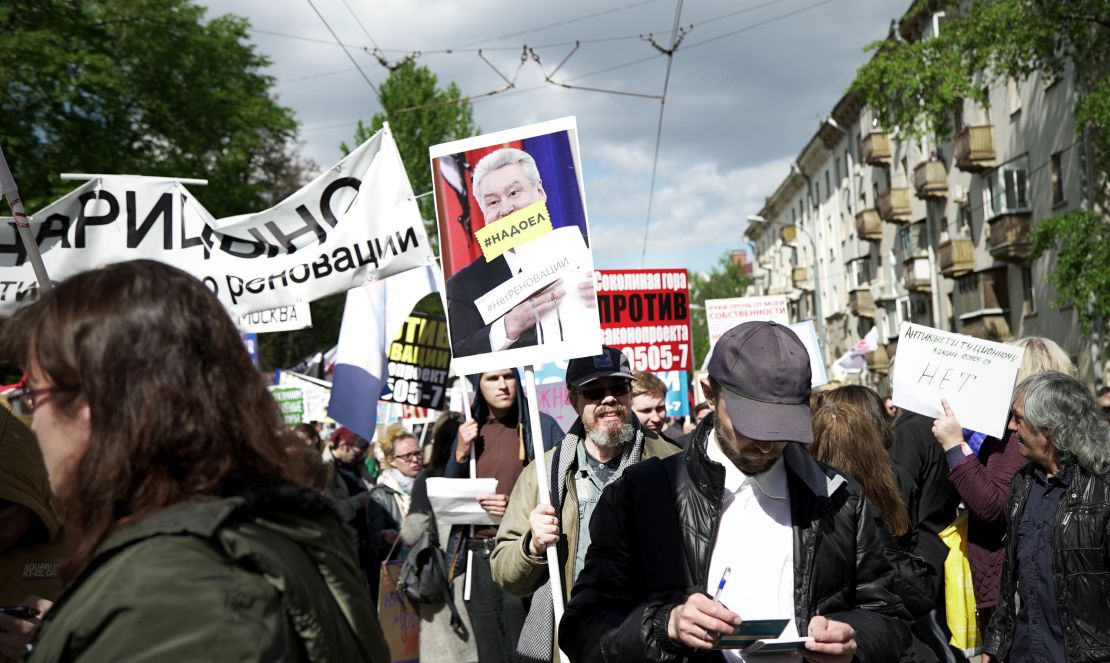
column 423, row 576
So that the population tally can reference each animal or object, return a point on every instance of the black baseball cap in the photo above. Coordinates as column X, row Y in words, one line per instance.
column 763, row 372
column 611, row 363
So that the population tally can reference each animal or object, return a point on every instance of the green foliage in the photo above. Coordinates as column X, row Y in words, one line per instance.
column 139, row 86
column 914, row 86
column 439, row 118
column 723, row 281
column 1082, row 274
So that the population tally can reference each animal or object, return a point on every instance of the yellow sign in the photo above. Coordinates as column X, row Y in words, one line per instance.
column 523, row 225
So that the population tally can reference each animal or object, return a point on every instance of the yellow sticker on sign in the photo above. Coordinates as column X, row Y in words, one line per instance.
column 523, row 225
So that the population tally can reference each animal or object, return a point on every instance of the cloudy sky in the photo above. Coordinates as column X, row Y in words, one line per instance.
column 749, row 83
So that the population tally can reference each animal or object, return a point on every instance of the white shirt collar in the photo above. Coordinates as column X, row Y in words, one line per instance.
column 512, row 261
column 771, row 483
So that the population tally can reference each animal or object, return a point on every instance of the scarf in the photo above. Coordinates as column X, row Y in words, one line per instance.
column 538, row 635
column 401, row 487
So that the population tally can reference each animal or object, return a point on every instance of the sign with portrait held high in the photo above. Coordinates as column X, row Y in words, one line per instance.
column 419, row 360
column 515, row 248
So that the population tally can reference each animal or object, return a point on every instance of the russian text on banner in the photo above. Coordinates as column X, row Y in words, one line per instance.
column 356, row 222
column 976, row 377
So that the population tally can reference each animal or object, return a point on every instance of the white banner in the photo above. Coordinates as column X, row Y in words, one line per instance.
column 283, row 318
column 976, row 377
column 356, row 222
column 316, row 393
column 722, row 315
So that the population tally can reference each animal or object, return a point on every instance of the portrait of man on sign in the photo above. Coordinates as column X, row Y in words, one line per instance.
column 515, row 246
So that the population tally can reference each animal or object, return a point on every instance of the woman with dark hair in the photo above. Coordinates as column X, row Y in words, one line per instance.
column 191, row 539
column 866, row 401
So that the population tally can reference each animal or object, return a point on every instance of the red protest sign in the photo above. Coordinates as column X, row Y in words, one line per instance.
column 645, row 313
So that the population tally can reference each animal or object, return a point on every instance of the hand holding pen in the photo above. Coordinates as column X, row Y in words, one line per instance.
column 699, row 621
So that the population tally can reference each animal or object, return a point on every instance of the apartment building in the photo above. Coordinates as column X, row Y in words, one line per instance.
column 934, row 232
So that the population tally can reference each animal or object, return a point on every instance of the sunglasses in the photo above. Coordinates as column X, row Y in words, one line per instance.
column 598, row 393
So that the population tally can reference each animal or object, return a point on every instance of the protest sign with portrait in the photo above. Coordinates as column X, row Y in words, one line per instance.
column 515, row 248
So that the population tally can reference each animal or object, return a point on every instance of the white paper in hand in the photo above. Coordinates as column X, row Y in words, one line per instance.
column 455, row 501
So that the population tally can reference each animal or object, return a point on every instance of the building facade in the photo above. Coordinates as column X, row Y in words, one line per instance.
column 934, row 232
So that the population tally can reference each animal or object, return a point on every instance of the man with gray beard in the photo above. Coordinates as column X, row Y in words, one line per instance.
column 602, row 442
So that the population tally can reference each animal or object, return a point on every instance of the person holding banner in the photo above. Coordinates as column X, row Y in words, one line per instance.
column 603, row 441
column 499, row 438
column 1052, row 603
column 983, row 477
column 167, row 454
column 796, row 541
column 505, row 181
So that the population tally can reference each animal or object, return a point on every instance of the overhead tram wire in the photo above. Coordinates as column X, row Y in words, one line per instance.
column 366, row 78
column 675, row 37
column 555, row 25
column 359, row 21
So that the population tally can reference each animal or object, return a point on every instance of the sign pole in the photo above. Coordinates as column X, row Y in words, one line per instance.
column 468, row 583
column 23, row 226
column 555, row 576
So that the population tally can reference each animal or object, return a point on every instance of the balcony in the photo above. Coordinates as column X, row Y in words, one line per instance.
column 981, row 301
column 917, row 275
column 930, row 180
column 869, row 225
column 974, row 148
column 875, row 148
column 1009, row 236
column 800, row 278
column 894, row 205
column 956, row 257
column 878, row 361
column 861, row 303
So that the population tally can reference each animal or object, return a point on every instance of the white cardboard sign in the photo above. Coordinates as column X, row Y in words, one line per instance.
column 976, row 377
column 724, row 314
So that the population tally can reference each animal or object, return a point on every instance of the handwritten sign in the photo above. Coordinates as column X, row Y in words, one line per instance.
column 976, row 377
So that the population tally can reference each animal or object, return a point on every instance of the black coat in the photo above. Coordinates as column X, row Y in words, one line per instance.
column 930, row 497
column 653, row 534
column 469, row 335
column 1080, row 568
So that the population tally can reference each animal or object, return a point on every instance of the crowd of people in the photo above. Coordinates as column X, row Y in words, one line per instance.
column 166, row 512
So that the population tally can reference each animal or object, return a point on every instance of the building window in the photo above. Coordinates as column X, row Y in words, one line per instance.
column 963, row 219
column 1006, row 190
column 828, row 188
column 793, row 215
column 1057, row 180
column 838, row 176
column 1013, row 96
column 1028, row 299
column 859, row 273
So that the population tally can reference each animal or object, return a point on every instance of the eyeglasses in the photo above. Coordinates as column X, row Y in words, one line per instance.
column 598, row 393
column 410, row 456
column 35, row 398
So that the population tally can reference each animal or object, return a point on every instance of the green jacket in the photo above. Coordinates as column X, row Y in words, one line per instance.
column 267, row 576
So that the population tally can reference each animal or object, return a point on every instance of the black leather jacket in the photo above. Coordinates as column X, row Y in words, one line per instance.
column 1080, row 565
column 653, row 534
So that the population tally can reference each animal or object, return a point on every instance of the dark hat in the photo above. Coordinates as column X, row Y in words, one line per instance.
column 611, row 363
column 764, row 374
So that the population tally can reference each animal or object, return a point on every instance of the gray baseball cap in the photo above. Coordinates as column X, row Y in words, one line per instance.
column 764, row 374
